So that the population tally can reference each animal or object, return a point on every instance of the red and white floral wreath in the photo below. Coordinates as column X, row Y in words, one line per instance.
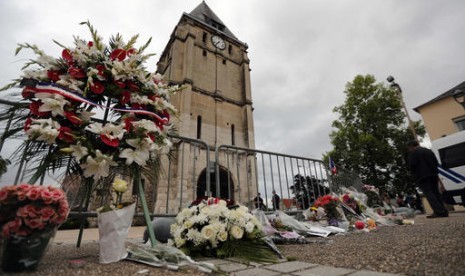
column 65, row 92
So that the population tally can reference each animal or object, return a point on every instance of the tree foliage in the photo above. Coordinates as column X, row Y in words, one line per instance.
column 371, row 135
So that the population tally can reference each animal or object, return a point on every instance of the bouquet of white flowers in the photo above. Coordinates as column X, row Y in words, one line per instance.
column 212, row 228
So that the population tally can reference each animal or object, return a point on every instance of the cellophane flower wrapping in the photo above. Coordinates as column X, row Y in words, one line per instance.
column 113, row 229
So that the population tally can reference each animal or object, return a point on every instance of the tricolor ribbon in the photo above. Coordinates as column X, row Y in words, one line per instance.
column 50, row 88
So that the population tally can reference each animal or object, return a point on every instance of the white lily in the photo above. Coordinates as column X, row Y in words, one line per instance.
column 52, row 102
column 138, row 156
column 78, row 151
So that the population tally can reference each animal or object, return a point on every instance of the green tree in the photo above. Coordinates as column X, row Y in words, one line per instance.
column 371, row 135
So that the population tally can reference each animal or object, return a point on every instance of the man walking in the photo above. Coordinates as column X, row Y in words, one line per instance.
column 424, row 166
column 275, row 200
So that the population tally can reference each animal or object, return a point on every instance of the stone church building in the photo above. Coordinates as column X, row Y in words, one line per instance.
column 215, row 107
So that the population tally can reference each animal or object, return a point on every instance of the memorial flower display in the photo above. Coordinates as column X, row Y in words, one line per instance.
column 330, row 204
column 213, row 228
column 114, row 222
column 28, row 209
column 29, row 218
column 96, row 103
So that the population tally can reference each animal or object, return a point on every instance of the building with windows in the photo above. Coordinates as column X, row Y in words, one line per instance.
column 442, row 115
column 215, row 106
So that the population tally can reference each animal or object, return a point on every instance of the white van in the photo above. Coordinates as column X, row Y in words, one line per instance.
column 450, row 151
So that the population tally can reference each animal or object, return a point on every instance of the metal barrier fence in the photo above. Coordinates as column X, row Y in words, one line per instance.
column 298, row 181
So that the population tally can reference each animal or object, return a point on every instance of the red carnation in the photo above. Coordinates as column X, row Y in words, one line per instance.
column 97, row 87
column 108, row 141
column 118, row 54
column 76, row 72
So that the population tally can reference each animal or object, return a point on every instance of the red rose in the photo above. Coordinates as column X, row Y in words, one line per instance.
column 28, row 92
column 33, row 193
column 46, row 196
column 47, row 212
column 76, row 72
column 66, row 55
column 35, row 223
column 118, row 54
column 108, row 141
column 53, row 75
column 57, row 195
column 97, row 87
column 90, row 44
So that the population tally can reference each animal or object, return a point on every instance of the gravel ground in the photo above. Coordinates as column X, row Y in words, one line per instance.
column 429, row 247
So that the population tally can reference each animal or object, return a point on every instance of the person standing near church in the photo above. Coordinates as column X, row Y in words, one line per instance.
column 424, row 166
column 275, row 200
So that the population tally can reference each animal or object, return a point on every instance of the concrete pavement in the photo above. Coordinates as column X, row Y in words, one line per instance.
column 232, row 266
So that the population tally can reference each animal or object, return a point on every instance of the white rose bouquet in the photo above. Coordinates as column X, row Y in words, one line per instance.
column 212, row 228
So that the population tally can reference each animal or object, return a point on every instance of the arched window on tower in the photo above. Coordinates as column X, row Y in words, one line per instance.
column 199, row 127
column 233, row 140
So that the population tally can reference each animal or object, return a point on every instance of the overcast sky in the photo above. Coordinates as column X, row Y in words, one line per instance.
column 302, row 52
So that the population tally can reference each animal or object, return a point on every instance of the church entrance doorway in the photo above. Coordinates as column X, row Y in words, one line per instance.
column 226, row 187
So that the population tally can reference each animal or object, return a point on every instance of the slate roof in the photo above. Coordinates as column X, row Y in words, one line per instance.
column 203, row 14
column 448, row 93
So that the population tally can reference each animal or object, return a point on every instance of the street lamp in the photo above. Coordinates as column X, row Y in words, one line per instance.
column 399, row 89
column 459, row 97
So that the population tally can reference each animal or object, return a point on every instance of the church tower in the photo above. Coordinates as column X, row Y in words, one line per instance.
column 205, row 57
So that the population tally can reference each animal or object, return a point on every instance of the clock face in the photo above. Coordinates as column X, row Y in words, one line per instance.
column 218, row 42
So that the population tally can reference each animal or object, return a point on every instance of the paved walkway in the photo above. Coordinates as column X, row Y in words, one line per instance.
column 231, row 266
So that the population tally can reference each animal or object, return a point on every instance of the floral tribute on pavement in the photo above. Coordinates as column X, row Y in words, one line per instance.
column 212, row 228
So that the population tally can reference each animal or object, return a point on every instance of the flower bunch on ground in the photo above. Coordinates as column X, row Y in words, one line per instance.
column 120, row 186
column 214, row 229
column 330, row 204
column 372, row 195
column 26, row 209
column 97, row 103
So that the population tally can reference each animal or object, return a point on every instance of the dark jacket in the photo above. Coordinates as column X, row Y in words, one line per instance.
column 423, row 163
